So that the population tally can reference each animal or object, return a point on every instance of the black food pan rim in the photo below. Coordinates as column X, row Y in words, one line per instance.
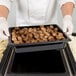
column 73, row 34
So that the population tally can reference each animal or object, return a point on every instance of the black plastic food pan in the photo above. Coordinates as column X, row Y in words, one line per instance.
column 41, row 63
column 57, row 42
column 71, row 60
column 4, row 60
column 23, row 49
column 73, row 34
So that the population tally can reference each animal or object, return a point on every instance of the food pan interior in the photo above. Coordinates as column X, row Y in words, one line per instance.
column 37, row 62
column 66, row 39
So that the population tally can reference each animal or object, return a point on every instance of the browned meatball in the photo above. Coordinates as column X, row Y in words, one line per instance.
column 59, row 36
column 51, row 38
column 51, row 27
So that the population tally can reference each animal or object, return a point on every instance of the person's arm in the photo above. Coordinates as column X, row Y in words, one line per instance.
column 4, row 11
column 5, row 7
column 3, row 22
column 67, row 8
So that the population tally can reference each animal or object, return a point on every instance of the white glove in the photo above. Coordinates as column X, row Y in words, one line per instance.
column 3, row 29
column 67, row 24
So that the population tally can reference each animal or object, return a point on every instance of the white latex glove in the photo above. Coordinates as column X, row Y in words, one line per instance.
column 67, row 24
column 3, row 29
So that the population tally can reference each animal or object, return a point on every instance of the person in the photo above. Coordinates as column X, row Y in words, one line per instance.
column 36, row 12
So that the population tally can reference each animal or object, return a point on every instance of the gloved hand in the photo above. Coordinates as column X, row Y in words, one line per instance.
column 67, row 24
column 3, row 29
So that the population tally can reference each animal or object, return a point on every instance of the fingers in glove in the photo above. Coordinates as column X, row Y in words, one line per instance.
column 70, row 30
column 3, row 36
column 65, row 28
column 6, row 32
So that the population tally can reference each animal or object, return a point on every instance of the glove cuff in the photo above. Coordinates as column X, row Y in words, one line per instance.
column 2, row 19
column 67, row 17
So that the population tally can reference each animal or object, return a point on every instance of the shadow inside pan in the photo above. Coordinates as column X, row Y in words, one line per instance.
column 38, row 62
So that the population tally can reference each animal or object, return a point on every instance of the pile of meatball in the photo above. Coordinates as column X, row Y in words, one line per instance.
column 36, row 34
